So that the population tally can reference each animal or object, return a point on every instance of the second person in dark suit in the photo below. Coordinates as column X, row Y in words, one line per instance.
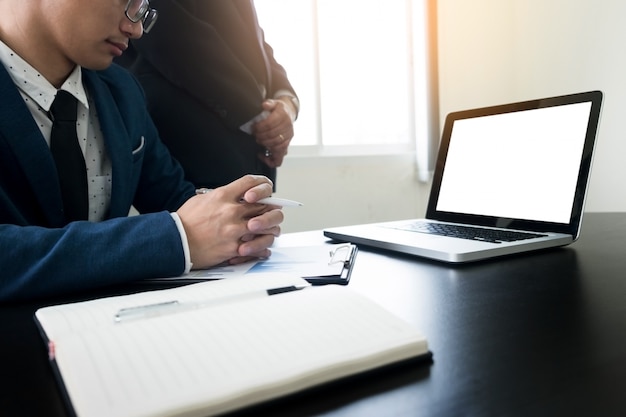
column 207, row 71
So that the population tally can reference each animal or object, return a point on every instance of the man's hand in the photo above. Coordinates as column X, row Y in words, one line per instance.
column 226, row 224
column 275, row 132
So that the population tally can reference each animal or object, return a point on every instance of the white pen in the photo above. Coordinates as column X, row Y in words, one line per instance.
column 273, row 201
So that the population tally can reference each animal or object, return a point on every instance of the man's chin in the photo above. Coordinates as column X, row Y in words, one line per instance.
column 98, row 65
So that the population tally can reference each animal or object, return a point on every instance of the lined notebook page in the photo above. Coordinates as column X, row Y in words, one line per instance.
column 221, row 358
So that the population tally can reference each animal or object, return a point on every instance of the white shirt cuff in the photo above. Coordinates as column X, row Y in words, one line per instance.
column 183, row 239
column 284, row 93
column 294, row 99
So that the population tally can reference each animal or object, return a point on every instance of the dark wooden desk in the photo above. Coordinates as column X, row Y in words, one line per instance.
column 533, row 335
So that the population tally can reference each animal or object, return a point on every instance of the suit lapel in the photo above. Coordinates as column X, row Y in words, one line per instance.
column 31, row 151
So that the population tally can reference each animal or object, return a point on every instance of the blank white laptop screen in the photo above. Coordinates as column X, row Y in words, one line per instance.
column 501, row 165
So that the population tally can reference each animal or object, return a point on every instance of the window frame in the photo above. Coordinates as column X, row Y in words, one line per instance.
column 423, row 108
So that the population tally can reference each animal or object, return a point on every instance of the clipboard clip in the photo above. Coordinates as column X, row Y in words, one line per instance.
column 342, row 254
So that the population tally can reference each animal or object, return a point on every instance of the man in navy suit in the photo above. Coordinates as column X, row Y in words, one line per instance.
column 51, row 45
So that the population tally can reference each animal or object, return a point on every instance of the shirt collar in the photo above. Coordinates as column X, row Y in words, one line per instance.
column 34, row 85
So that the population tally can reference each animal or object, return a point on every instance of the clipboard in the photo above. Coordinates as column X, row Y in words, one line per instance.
column 318, row 264
column 344, row 254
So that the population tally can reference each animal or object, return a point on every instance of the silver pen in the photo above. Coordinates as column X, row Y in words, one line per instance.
column 174, row 306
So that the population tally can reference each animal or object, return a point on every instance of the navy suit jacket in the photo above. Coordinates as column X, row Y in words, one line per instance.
column 39, row 255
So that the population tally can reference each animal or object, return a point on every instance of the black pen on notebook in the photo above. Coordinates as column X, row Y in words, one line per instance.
column 174, row 306
column 273, row 201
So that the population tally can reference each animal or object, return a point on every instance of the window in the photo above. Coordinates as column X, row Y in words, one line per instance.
column 356, row 67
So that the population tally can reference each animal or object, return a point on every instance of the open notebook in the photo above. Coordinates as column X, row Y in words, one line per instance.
column 214, row 347
column 509, row 178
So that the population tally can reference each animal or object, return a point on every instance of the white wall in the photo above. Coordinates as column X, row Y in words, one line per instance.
column 490, row 52
column 349, row 190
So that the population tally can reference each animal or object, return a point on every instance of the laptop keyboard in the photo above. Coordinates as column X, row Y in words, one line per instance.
column 467, row 232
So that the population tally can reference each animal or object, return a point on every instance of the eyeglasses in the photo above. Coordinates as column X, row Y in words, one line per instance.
column 137, row 10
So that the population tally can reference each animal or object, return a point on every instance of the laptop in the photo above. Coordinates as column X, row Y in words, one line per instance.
column 509, row 178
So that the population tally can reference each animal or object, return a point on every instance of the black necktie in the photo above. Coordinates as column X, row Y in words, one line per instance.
column 69, row 157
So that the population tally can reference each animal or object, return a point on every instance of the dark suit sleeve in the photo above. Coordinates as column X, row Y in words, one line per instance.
column 279, row 74
column 43, row 262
